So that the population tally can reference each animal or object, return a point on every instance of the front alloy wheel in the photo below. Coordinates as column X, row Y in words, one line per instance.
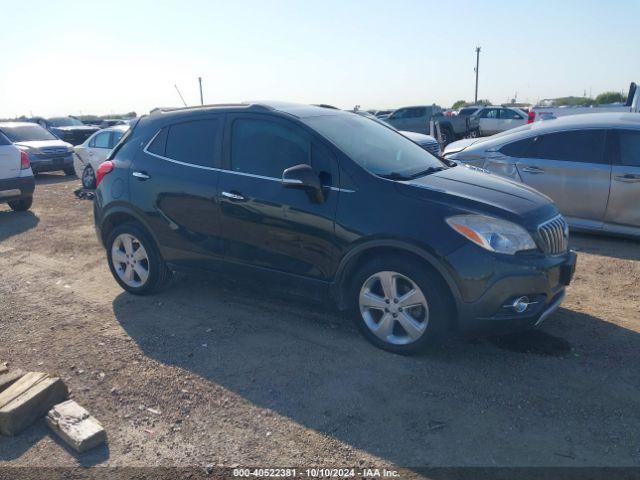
column 394, row 308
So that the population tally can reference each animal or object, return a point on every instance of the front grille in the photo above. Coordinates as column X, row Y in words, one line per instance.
column 432, row 148
column 554, row 236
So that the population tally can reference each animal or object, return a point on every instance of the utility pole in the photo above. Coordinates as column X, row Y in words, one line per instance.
column 476, row 70
column 200, row 82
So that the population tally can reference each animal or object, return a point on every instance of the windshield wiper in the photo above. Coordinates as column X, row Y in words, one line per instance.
column 395, row 176
column 426, row 172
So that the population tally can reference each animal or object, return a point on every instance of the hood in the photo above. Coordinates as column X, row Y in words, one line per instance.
column 458, row 146
column 468, row 189
column 77, row 128
column 40, row 144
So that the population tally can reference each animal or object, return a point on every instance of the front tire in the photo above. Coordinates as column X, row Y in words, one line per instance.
column 21, row 205
column 400, row 305
column 88, row 177
column 69, row 171
column 135, row 261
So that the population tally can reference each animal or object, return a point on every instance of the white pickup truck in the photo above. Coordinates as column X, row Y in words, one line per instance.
column 631, row 105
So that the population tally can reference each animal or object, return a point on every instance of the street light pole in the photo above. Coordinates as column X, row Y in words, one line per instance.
column 200, row 82
column 476, row 69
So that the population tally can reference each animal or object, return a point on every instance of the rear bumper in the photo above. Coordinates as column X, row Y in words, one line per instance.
column 541, row 280
column 16, row 188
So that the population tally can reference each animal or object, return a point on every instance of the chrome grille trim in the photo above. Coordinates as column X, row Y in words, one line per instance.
column 554, row 236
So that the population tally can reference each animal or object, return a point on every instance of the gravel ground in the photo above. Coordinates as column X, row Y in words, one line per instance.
column 213, row 371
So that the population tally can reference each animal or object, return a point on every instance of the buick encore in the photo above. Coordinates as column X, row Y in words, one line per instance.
column 330, row 204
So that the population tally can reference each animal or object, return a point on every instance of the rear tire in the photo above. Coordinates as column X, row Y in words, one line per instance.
column 21, row 205
column 88, row 177
column 135, row 261
column 381, row 315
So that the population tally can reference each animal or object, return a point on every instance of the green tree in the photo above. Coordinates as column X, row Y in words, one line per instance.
column 609, row 97
column 459, row 104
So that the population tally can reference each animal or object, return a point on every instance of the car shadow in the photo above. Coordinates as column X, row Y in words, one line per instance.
column 14, row 223
column 609, row 246
column 50, row 178
column 463, row 402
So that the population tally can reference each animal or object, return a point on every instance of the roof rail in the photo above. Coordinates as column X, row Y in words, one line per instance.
column 252, row 106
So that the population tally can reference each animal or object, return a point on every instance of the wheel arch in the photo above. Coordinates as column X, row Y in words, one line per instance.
column 119, row 214
column 361, row 254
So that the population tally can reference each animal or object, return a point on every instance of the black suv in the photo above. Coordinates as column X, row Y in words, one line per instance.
column 329, row 203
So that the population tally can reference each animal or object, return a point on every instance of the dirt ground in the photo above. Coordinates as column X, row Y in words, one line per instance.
column 236, row 376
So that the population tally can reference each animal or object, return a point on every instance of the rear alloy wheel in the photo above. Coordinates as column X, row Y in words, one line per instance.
column 135, row 261
column 400, row 305
column 88, row 177
column 21, row 205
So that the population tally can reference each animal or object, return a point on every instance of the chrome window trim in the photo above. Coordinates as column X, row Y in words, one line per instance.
column 222, row 170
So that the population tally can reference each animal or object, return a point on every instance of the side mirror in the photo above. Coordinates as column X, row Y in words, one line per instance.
column 303, row 177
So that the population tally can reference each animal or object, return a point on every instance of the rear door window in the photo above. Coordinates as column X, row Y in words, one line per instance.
column 508, row 114
column 101, row 140
column 267, row 148
column 516, row 149
column 115, row 138
column 489, row 113
column 191, row 142
column 585, row 146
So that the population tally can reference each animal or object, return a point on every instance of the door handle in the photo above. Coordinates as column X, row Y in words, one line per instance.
column 233, row 196
column 141, row 175
column 533, row 169
column 629, row 177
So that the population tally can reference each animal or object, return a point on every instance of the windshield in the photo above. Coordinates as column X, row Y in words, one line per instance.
column 376, row 148
column 64, row 122
column 27, row 133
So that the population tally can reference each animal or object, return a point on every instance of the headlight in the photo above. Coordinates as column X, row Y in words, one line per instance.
column 492, row 234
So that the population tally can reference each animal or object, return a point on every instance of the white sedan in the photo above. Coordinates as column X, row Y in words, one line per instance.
column 95, row 150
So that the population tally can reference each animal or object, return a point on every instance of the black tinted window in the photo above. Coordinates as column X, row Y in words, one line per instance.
column 4, row 140
column 159, row 143
column 575, row 146
column 629, row 146
column 266, row 148
column 193, row 142
column 515, row 149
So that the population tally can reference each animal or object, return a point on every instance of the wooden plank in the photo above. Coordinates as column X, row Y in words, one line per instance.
column 29, row 398
column 75, row 426
column 9, row 377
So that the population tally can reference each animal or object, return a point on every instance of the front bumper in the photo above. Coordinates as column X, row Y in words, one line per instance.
column 39, row 164
column 489, row 285
column 16, row 188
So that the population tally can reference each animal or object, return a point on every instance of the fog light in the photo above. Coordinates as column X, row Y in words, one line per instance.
column 520, row 304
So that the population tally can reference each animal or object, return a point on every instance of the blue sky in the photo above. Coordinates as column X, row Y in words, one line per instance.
column 73, row 57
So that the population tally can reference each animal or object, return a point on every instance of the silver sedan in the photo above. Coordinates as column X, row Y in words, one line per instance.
column 588, row 164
